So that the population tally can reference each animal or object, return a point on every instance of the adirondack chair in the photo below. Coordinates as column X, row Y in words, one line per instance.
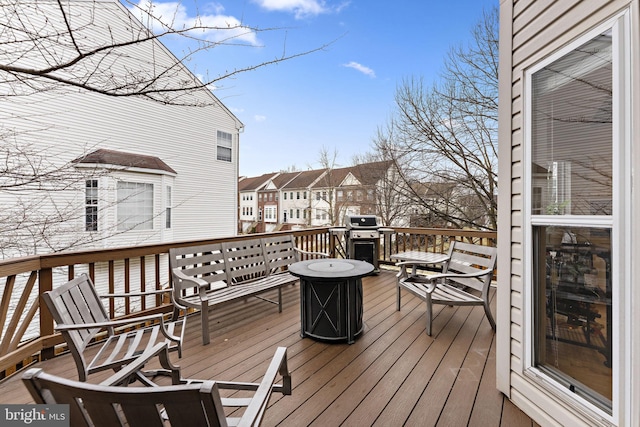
column 465, row 279
column 196, row 403
column 80, row 317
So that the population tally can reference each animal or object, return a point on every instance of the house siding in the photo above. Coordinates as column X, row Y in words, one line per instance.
column 530, row 32
column 68, row 124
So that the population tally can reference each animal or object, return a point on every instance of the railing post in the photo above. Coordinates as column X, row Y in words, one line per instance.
column 332, row 244
column 45, row 283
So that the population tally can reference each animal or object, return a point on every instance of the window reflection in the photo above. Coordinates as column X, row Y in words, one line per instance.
column 574, row 308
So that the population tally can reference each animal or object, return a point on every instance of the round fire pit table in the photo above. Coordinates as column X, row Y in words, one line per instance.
column 331, row 297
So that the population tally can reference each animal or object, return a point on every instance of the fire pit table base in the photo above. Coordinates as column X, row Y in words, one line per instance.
column 331, row 298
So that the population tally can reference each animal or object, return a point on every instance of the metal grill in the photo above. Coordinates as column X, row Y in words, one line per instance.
column 363, row 238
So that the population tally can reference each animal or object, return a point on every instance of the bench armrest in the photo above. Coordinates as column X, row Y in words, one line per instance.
column 196, row 281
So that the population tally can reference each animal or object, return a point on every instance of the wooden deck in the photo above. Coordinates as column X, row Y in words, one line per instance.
column 393, row 375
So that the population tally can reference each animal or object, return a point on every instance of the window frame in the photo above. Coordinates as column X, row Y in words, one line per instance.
column 619, row 222
column 168, row 200
column 91, row 204
column 224, row 146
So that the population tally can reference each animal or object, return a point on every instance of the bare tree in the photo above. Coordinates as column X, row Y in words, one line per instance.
column 328, row 201
column 384, row 186
column 57, row 47
column 444, row 138
column 63, row 44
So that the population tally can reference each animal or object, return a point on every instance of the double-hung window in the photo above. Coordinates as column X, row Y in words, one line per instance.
column 168, row 208
column 577, row 175
column 224, row 146
column 91, row 205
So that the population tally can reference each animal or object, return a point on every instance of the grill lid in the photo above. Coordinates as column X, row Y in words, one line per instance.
column 361, row 222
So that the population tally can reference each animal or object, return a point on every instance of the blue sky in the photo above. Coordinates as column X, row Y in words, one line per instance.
column 336, row 98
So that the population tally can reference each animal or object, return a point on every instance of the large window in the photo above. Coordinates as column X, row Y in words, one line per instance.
column 224, row 146
column 135, row 206
column 572, row 173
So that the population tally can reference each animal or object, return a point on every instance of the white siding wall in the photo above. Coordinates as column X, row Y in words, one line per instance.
column 67, row 124
column 531, row 31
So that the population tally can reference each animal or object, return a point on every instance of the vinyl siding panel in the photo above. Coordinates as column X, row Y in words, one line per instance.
column 536, row 30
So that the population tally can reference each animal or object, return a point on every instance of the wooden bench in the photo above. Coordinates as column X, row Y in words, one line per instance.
column 210, row 275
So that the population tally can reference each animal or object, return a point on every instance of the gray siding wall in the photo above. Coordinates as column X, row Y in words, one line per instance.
column 531, row 31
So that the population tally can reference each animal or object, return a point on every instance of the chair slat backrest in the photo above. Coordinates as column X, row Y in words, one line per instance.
column 205, row 262
column 279, row 252
column 92, row 404
column 469, row 258
column 244, row 260
column 73, row 303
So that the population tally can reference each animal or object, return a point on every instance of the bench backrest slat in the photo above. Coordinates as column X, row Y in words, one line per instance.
column 205, row 262
column 279, row 252
column 244, row 260
column 470, row 258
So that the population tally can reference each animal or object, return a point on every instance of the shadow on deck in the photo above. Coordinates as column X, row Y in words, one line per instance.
column 393, row 375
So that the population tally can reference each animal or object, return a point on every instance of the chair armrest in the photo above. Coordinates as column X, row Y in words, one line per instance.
column 259, row 402
column 465, row 275
column 111, row 323
column 137, row 294
column 430, row 281
column 322, row 254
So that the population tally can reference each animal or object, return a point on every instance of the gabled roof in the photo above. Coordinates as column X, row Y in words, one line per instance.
column 305, row 179
column 433, row 189
column 283, row 179
column 371, row 173
column 333, row 178
column 123, row 159
column 365, row 173
column 255, row 183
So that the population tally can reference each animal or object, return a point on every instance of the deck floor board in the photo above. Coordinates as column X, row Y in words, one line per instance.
column 393, row 375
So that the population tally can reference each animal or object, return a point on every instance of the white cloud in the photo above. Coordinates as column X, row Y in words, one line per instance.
column 363, row 69
column 259, row 118
column 301, row 8
column 215, row 26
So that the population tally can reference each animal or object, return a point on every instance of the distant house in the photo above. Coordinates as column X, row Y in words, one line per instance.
column 250, row 207
column 312, row 198
column 568, row 302
column 271, row 205
column 297, row 199
column 149, row 172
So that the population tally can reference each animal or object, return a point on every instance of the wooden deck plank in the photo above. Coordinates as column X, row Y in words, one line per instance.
column 400, row 407
column 394, row 374
column 432, row 401
column 461, row 400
